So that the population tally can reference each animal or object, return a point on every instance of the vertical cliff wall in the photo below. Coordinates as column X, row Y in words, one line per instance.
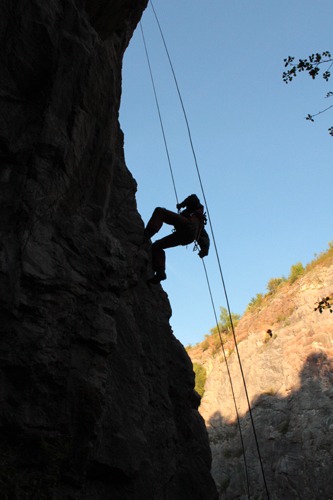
column 289, row 379
column 96, row 394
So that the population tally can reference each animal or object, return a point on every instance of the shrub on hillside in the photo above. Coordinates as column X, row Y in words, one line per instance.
column 200, row 378
column 274, row 283
column 323, row 258
column 295, row 272
column 255, row 302
column 205, row 343
column 226, row 322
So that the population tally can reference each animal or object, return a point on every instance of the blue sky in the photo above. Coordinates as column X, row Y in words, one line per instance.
column 266, row 171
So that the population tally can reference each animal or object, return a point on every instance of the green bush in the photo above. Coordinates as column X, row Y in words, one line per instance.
column 227, row 320
column 200, row 378
column 225, row 324
column 324, row 258
column 295, row 272
column 274, row 284
column 205, row 345
column 256, row 301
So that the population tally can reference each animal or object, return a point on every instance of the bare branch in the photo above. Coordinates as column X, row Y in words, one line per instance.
column 309, row 117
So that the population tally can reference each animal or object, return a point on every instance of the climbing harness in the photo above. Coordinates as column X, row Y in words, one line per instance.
column 216, row 252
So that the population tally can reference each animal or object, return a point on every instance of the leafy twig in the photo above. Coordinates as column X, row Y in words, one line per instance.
column 311, row 65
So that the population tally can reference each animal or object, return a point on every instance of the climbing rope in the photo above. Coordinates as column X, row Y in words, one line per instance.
column 215, row 248
column 204, row 266
column 159, row 114
column 230, row 379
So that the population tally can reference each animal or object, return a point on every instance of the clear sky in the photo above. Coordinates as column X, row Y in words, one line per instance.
column 266, row 171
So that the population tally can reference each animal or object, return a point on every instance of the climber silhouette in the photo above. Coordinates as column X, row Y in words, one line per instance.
column 189, row 226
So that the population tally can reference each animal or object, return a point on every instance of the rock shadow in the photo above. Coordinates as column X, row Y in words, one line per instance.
column 294, row 436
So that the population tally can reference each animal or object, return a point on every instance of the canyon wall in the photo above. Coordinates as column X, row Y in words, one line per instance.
column 96, row 393
column 289, row 379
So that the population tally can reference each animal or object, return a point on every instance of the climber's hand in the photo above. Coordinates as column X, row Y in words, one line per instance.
column 202, row 254
column 180, row 205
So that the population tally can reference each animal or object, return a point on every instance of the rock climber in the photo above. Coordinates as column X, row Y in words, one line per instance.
column 189, row 227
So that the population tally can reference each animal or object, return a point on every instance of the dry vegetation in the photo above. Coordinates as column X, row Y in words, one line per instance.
column 211, row 344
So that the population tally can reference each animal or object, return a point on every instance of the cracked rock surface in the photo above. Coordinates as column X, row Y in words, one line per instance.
column 96, row 393
column 289, row 380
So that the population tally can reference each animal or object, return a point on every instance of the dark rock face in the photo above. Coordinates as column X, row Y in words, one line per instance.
column 96, row 394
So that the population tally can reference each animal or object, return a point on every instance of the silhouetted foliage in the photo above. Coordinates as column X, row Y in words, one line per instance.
column 312, row 65
column 325, row 303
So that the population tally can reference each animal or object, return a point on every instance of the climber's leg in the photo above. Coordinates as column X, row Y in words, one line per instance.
column 161, row 215
column 158, row 255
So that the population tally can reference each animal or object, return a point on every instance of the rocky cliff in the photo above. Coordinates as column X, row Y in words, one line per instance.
column 289, row 379
column 96, row 394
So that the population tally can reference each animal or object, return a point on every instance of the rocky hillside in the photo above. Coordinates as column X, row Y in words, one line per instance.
column 289, row 379
column 96, row 394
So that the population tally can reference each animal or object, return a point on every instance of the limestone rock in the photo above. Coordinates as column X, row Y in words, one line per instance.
column 96, row 398
column 289, row 379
